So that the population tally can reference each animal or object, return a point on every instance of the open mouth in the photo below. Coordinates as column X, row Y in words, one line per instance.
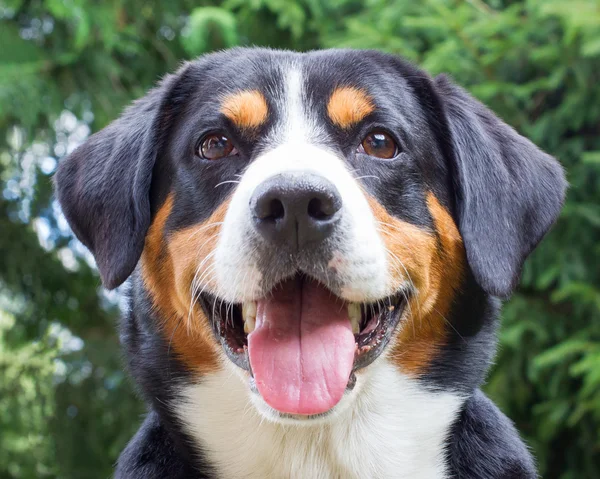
column 302, row 343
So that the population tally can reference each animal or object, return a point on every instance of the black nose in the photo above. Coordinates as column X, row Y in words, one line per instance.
column 296, row 209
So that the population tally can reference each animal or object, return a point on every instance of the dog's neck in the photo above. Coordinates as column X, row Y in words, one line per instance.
column 394, row 427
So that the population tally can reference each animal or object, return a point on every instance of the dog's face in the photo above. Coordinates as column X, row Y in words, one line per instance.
column 300, row 216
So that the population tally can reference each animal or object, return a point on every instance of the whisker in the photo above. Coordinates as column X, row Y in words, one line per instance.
column 226, row 182
column 195, row 283
column 202, row 228
column 207, row 272
column 367, row 176
column 414, row 288
column 449, row 323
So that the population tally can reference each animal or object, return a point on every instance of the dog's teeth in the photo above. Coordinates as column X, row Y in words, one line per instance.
column 355, row 316
column 249, row 316
column 249, row 325
column 249, row 309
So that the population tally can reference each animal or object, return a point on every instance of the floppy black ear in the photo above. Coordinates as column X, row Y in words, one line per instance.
column 104, row 185
column 508, row 192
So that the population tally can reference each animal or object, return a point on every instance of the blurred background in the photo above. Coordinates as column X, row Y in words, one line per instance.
column 68, row 67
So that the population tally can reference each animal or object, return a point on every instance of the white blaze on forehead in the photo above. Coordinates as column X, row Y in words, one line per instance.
column 295, row 119
column 298, row 123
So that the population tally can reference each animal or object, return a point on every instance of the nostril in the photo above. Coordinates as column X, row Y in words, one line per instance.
column 316, row 210
column 268, row 208
column 323, row 207
column 276, row 209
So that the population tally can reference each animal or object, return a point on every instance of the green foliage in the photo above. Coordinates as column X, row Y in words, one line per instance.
column 26, row 401
column 209, row 27
column 66, row 408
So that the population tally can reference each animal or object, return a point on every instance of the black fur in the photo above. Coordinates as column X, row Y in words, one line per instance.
column 502, row 191
column 483, row 444
column 153, row 454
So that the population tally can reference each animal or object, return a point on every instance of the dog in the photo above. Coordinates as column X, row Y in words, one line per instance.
column 317, row 245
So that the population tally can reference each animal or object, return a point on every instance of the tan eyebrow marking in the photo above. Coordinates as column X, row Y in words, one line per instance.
column 247, row 109
column 348, row 105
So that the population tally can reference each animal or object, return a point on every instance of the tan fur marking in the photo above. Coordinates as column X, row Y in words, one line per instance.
column 347, row 106
column 246, row 109
column 169, row 263
column 436, row 268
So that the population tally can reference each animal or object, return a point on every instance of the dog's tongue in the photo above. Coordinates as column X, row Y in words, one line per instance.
column 302, row 348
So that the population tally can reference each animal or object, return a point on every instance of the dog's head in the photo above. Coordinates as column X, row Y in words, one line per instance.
column 301, row 215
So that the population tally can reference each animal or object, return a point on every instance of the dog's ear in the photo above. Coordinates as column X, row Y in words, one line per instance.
column 104, row 186
column 508, row 192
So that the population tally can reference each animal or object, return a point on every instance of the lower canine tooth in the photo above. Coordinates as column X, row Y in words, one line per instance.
column 249, row 316
column 249, row 325
column 354, row 314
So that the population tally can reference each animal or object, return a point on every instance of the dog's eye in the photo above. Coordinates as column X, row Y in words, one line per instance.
column 215, row 146
column 380, row 145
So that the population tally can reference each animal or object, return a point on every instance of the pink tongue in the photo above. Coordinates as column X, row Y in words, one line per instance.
column 302, row 349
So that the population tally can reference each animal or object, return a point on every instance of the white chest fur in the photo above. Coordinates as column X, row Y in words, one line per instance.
column 393, row 429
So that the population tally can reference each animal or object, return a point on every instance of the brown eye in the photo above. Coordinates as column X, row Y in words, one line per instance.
column 379, row 145
column 216, row 146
